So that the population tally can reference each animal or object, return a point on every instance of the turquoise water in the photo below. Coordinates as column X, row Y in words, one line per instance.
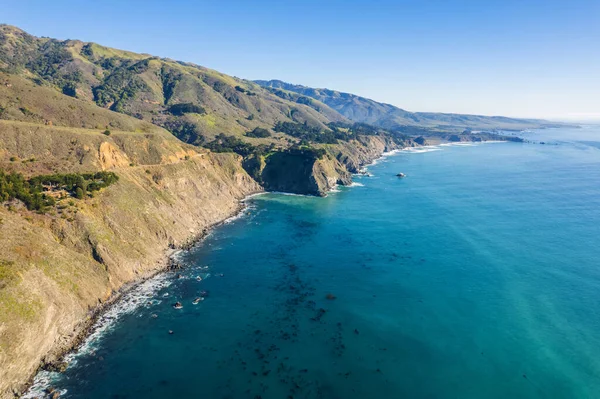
column 476, row 276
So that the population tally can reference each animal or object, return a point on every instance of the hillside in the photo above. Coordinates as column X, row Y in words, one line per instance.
column 360, row 109
column 193, row 102
column 70, row 111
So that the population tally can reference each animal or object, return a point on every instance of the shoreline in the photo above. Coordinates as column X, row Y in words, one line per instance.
column 88, row 326
column 168, row 263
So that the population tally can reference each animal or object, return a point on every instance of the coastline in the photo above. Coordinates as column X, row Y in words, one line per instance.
column 88, row 326
column 169, row 263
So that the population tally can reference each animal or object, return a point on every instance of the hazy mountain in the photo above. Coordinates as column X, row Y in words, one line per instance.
column 361, row 109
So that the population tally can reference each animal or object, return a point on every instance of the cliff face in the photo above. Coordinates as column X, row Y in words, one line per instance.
column 301, row 174
column 55, row 270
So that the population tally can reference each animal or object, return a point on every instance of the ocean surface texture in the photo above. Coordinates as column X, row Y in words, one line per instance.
column 476, row 276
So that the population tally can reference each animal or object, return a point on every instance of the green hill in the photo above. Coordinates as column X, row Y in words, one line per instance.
column 193, row 102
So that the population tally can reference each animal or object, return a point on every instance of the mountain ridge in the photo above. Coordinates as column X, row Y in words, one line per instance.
column 365, row 110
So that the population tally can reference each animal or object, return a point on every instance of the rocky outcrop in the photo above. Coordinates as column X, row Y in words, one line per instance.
column 304, row 173
column 300, row 173
column 420, row 140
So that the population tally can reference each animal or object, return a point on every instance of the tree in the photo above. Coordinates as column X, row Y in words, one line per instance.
column 186, row 108
column 70, row 89
column 258, row 132
column 79, row 193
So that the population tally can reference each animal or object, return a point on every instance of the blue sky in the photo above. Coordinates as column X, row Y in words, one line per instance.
column 515, row 58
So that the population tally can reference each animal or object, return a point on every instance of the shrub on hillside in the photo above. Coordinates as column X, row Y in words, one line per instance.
column 186, row 108
column 309, row 133
column 258, row 132
column 223, row 143
column 70, row 89
column 184, row 131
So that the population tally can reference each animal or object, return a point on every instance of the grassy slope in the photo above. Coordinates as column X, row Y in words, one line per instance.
column 145, row 87
column 22, row 100
column 55, row 267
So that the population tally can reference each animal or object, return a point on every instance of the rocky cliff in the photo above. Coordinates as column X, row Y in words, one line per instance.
column 306, row 173
column 299, row 173
column 55, row 269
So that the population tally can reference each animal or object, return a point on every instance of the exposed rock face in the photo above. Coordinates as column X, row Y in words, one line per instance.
column 55, row 271
column 110, row 157
column 296, row 173
column 299, row 174
column 420, row 140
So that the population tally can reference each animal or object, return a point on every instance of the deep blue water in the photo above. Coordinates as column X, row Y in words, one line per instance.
column 477, row 276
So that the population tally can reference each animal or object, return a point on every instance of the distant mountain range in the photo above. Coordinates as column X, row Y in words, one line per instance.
column 361, row 109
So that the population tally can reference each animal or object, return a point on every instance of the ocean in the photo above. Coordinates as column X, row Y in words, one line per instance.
column 475, row 276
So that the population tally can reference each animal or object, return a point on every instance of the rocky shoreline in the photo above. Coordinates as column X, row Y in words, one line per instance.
column 55, row 360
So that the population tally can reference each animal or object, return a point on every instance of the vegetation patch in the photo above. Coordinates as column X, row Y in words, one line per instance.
column 223, row 143
column 38, row 193
column 123, row 84
column 185, row 108
column 245, row 91
column 184, row 130
column 259, row 132
column 24, row 308
column 309, row 133
column 307, row 151
column 8, row 273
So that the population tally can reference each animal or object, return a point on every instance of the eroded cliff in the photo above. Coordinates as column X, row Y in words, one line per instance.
column 55, row 268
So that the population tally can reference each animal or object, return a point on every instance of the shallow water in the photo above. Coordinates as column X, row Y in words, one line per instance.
column 475, row 276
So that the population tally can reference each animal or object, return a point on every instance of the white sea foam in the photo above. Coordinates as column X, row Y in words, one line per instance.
column 233, row 218
column 253, row 195
column 388, row 153
column 42, row 380
column 356, row 184
column 420, row 150
column 290, row 194
column 494, row 141
column 334, row 189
